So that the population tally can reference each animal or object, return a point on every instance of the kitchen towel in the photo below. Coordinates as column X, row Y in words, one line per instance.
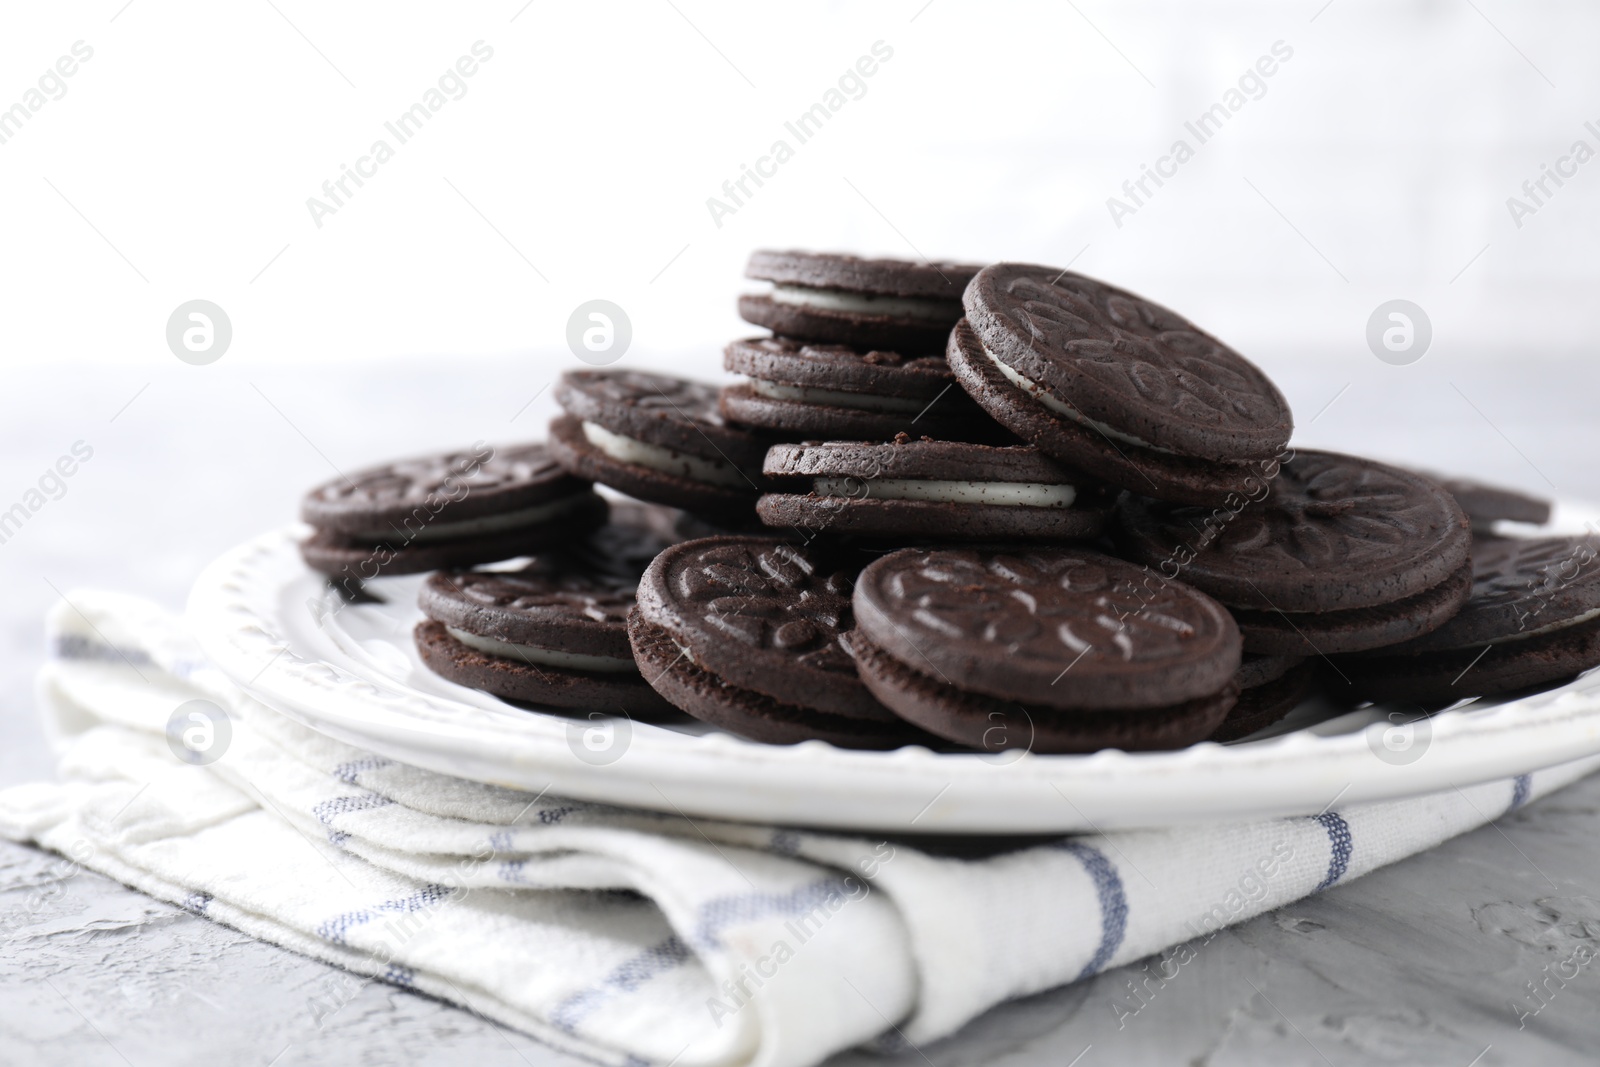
column 623, row 935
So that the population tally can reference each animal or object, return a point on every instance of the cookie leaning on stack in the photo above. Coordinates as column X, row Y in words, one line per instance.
column 1117, row 386
column 452, row 509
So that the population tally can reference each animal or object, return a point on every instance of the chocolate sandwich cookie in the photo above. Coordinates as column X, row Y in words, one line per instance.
column 931, row 489
column 454, row 509
column 1341, row 555
column 744, row 633
column 552, row 632
column 800, row 391
column 1533, row 619
column 889, row 304
column 1116, row 385
column 1487, row 504
column 1270, row 687
column 1046, row 649
column 657, row 438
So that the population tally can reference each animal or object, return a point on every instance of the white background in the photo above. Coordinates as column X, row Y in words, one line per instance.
column 179, row 161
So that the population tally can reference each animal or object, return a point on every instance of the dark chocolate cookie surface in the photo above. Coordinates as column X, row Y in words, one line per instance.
column 1135, row 368
column 732, row 495
column 448, row 487
column 657, row 409
column 573, row 600
column 1000, row 727
column 880, row 277
column 761, row 614
column 920, row 490
column 1161, row 474
column 751, row 714
column 533, row 683
column 840, row 367
column 1054, row 627
column 1520, row 588
column 1335, row 532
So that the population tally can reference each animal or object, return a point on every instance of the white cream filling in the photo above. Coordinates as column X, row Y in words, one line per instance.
column 1576, row 620
column 805, row 394
column 627, row 450
column 508, row 520
column 549, row 657
column 1043, row 395
column 1005, row 494
column 867, row 304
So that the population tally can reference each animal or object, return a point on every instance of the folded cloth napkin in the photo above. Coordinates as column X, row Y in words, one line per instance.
column 622, row 935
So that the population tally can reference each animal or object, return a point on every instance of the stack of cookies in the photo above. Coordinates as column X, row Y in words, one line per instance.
column 977, row 508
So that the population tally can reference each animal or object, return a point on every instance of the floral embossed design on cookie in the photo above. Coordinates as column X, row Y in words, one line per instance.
column 544, row 588
column 1054, row 608
column 769, row 597
column 1532, row 570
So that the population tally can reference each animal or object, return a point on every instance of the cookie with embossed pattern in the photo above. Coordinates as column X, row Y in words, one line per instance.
column 744, row 633
column 658, row 438
column 553, row 631
column 1341, row 555
column 921, row 490
column 451, row 509
column 1049, row 649
column 800, row 391
column 1117, row 385
column 1533, row 618
column 892, row 304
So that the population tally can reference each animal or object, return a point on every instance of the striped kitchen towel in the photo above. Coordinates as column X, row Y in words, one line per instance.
column 628, row 936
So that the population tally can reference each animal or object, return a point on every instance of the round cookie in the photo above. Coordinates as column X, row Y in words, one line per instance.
column 1533, row 618
column 800, row 391
column 1341, row 555
column 451, row 509
column 1177, row 478
column 552, row 632
column 1067, row 639
column 1117, row 385
column 743, row 632
column 997, row 726
column 931, row 489
column 657, row 438
column 892, row 304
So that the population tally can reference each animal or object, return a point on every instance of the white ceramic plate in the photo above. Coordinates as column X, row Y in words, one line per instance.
column 350, row 671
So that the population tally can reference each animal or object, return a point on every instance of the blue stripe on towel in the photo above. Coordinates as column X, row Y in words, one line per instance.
column 1339, row 845
column 1519, row 791
column 335, row 928
column 1113, row 904
column 720, row 913
column 326, row 810
column 627, row 976
column 349, row 772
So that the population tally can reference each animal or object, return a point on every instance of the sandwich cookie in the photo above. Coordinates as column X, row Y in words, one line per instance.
column 801, row 391
column 553, row 632
column 657, row 438
column 1117, row 386
column 449, row 510
column 1533, row 619
column 1042, row 649
column 1270, row 687
column 889, row 304
column 931, row 489
column 1342, row 555
column 744, row 633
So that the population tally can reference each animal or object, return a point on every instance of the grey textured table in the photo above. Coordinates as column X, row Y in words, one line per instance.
column 1425, row 962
